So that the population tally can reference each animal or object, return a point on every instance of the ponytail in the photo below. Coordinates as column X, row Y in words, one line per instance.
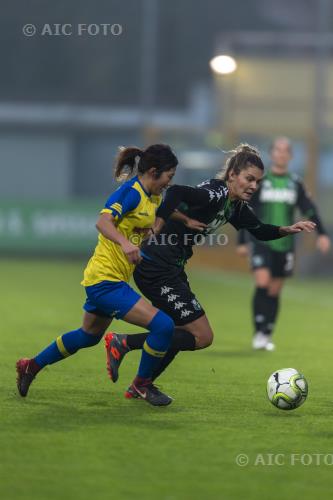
column 127, row 162
column 133, row 160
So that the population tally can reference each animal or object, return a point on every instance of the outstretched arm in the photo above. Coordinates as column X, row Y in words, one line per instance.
column 247, row 220
column 308, row 208
column 307, row 226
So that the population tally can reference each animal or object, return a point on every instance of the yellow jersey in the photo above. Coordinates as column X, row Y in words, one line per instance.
column 134, row 211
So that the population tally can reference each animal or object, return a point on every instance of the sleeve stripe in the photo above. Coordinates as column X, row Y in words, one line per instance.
column 112, row 212
column 124, row 200
column 117, row 206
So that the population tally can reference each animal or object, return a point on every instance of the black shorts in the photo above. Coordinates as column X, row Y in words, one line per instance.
column 280, row 264
column 168, row 289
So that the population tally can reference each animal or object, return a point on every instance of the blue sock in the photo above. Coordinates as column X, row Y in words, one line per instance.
column 161, row 330
column 65, row 346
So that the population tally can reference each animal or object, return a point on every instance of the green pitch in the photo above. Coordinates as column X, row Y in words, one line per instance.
column 76, row 437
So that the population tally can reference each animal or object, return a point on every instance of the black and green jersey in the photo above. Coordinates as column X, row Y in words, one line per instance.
column 209, row 202
column 276, row 201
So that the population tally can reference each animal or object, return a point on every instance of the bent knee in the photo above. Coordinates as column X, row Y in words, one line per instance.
column 168, row 323
column 162, row 323
column 204, row 340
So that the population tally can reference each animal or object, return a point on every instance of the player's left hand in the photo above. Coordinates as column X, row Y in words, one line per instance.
column 323, row 243
column 188, row 222
column 307, row 226
column 195, row 224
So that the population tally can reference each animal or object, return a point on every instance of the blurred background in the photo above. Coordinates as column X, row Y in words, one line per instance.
column 79, row 78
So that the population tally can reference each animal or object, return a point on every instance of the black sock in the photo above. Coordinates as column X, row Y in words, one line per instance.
column 165, row 361
column 136, row 340
column 260, row 309
column 273, row 303
column 182, row 340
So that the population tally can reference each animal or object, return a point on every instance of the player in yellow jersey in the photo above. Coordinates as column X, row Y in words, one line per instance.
column 127, row 216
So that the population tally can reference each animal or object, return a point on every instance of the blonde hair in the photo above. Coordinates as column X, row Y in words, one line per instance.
column 239, row 159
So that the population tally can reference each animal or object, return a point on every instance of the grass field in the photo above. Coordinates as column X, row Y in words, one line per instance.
column 77, row 437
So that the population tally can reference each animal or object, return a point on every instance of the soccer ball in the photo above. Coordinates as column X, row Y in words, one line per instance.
column 287, row 389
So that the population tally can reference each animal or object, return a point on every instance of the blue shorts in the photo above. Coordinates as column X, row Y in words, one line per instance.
column 111, row 299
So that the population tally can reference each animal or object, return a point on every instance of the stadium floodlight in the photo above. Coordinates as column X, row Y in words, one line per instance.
column 223, row 64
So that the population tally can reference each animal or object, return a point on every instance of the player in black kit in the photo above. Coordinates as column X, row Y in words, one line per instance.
column 161, row 276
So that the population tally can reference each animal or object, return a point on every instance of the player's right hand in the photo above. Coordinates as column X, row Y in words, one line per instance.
column 132, row 252
column 242, row 250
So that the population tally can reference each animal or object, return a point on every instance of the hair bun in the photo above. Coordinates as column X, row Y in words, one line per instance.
column 247, row 148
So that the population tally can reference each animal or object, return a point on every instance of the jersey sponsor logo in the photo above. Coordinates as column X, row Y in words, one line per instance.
column 219, row 220
column 282, row 195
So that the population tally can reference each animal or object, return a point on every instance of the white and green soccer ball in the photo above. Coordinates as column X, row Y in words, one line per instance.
column 287, row 389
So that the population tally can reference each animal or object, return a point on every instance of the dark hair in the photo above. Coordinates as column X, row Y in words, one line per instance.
column 134, row 160
column 241, row 158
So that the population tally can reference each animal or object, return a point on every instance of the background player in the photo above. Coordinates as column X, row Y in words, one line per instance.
column 275, row 202
column 161, row 276
column 128, row 214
